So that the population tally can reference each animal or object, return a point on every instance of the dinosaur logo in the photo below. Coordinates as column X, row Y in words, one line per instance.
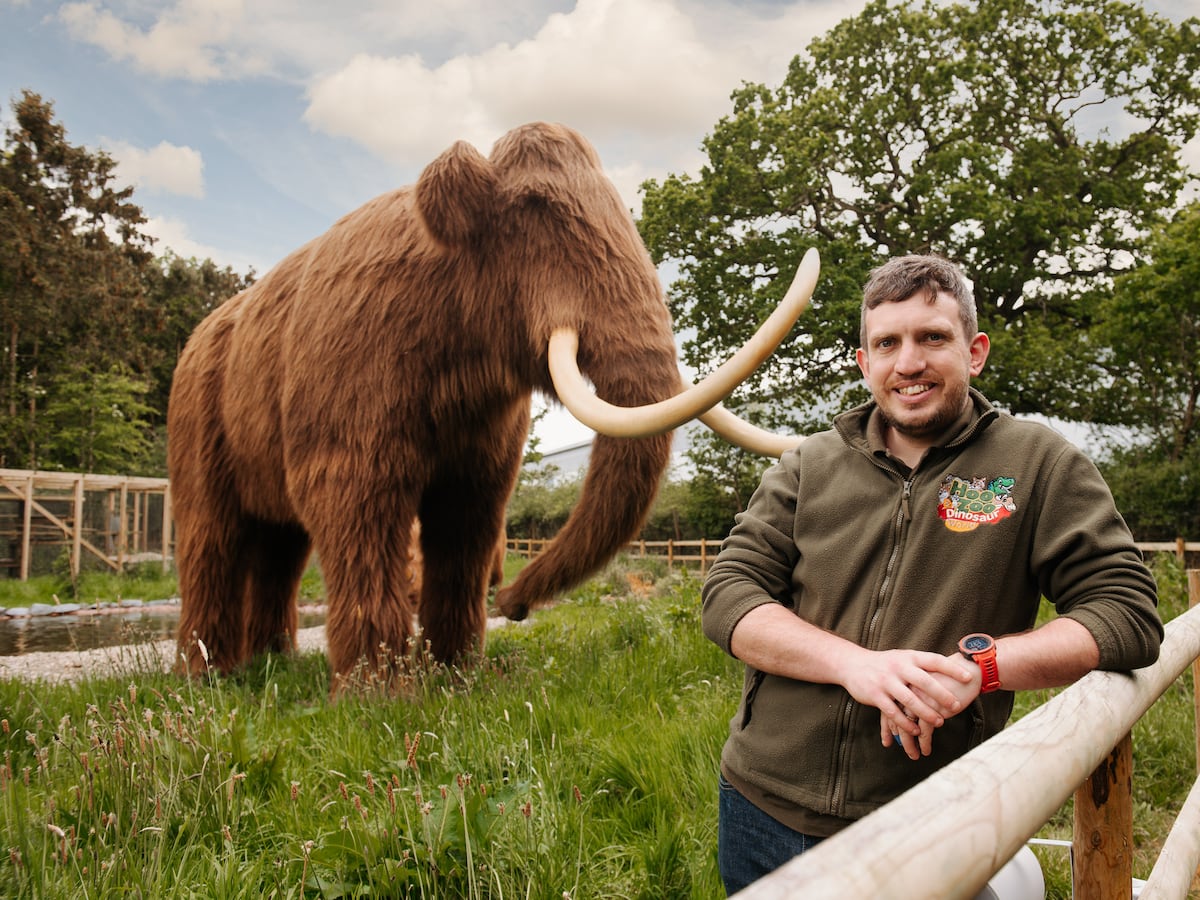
column 966, row 503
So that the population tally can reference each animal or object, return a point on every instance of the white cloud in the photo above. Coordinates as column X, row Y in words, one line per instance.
column 190, row 40
column 657, row 73
column 167, row 167
column 173, row 234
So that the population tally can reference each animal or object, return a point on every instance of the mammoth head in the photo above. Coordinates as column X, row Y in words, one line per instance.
column 588, row 288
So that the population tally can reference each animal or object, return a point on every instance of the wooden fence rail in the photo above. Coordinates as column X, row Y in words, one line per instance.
column 703, row 551
column 948, row 835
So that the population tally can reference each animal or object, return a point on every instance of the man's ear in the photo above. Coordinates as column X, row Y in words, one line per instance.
column 864, row 363
column 980, row 345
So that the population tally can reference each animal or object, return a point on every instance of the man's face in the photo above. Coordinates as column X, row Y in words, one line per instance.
column 918, row 363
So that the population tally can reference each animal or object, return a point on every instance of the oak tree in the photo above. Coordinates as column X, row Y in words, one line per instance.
column 1033, row 141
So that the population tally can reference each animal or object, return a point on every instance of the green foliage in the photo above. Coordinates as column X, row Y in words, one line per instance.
column 183, row 292
column 963, row 129
column 96, row 421
column 90, row 323
column 1159, row 498
column 1150, row 324
column 541, row 504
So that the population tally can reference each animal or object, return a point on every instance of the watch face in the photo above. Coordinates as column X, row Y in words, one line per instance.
column 976, row 643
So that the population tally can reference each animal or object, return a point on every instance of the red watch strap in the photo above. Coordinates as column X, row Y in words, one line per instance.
column 991, row 672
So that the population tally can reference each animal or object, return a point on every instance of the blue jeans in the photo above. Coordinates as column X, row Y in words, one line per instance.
column 750, row 843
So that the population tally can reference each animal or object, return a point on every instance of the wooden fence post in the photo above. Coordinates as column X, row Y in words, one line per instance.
column 1193, row 579
column 77, row 536
column 1103, row 831
column 27, row 528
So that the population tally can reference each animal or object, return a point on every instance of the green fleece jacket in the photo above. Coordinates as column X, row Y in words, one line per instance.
column 848, row 538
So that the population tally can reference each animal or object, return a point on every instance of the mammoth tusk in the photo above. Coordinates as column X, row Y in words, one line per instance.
column 699, row 400
column 749, row 437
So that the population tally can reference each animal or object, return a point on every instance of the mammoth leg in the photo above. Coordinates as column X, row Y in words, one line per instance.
column 369, row 622
column 274, row 556
column 211, row 586
column 462, row 527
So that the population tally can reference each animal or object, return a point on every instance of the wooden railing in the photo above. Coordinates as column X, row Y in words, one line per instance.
column 948, row 835
column 703, row 551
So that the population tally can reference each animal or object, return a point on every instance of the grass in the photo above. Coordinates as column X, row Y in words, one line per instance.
column 577, row 760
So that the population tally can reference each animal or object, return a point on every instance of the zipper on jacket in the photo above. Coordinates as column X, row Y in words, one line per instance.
column 902, row 518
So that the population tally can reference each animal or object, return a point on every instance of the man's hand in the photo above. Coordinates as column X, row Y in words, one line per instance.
column 910, row 688
column 914, row 691
column 964, row 686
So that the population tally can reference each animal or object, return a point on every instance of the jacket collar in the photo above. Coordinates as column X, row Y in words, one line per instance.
column 862, row 427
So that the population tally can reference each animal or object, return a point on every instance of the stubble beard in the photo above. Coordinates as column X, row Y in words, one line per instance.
column 936, row 422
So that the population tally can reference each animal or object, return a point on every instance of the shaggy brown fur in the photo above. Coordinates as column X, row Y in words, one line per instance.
column 383, row 373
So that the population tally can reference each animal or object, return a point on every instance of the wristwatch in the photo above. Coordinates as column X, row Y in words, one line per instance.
column 981, row 649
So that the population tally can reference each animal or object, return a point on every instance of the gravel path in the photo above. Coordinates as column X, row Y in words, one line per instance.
column 132, row 659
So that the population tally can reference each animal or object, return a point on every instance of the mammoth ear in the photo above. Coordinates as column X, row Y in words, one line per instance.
column 456, row 193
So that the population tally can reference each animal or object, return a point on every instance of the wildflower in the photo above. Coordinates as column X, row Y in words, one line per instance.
column 358, row 805
column 527, row 809
column 132, row 692
column 227, row 834
column 295, row 790
column 578, row 794
column 370, row 784
column 411, row 747
column 4, row 725
column 342, row 788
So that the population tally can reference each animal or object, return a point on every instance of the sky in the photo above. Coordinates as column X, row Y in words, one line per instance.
column 248, row 128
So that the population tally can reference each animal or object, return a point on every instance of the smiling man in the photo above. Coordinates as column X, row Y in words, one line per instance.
column 883, row 584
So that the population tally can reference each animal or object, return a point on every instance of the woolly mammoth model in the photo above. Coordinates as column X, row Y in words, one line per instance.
column 383, row 373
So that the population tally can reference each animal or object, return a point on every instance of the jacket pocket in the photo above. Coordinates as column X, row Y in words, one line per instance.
column 753, row 683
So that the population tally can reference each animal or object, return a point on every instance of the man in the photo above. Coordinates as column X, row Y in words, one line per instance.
column 871, row 550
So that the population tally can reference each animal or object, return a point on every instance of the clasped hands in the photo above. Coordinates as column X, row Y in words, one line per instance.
column 915, row 692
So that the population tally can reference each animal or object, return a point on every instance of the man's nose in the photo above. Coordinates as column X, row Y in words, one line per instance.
column 910, row 359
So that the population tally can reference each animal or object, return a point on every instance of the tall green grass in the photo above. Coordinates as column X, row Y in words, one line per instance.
column 577, row 760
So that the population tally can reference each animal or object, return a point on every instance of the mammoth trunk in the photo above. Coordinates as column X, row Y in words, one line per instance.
column 621, row 483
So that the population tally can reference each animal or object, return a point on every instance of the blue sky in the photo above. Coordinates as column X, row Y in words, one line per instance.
column 247, row 128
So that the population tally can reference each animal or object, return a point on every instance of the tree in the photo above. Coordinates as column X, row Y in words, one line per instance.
column 971, row 132
column 180, row 293
column 1150, row 327
column 71, row 251
column 97, row 421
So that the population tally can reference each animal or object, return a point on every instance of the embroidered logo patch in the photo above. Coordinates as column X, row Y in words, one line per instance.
column 966, row 503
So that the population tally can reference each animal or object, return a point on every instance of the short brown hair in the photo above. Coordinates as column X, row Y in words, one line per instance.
column 901, row 277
